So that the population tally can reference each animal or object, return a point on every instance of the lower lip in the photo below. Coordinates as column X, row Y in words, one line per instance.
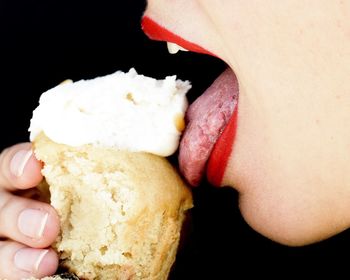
column 220, row 155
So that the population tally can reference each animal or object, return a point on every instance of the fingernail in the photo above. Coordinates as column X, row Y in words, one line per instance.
column 28, row 259
column 19, row 161
column 32, row 222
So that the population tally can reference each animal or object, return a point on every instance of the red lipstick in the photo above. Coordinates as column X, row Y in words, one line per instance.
column 159, row 33
column 220, row 155
column 223, row 148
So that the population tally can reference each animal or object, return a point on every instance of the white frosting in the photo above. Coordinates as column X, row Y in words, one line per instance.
column 122, row 110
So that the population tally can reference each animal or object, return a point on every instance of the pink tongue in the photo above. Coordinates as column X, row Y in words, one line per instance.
column 206, row 119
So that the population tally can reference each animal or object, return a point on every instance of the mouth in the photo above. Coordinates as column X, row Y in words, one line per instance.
column 207, row 142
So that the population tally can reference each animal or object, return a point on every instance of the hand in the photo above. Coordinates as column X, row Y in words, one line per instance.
column 27, row 227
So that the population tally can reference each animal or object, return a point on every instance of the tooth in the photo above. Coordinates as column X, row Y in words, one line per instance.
column 174, row 48
column 68, row 81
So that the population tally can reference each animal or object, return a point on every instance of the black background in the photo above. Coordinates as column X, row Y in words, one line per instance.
column 45, row 42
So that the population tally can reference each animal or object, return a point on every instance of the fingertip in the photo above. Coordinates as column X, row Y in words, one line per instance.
column 48, row 265
column 52, row 227
column 35, row 262
column 31, row 175
column 21, row 262
column 19, row 167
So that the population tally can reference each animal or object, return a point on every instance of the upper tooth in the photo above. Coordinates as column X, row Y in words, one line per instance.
column 174, row 48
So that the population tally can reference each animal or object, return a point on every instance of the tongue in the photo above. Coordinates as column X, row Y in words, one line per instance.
column 206, row 120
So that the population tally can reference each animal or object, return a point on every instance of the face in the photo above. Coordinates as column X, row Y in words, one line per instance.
column 287, row 151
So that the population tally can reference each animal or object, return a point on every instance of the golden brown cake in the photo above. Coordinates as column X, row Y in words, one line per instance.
column 121, row 213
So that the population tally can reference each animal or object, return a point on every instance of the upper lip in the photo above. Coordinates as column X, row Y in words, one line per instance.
column 157, row 32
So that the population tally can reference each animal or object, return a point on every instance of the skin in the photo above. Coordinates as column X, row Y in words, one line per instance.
column 291, row 162
column 15, row 197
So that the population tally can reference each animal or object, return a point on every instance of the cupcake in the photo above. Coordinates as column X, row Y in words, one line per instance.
column 104, row 144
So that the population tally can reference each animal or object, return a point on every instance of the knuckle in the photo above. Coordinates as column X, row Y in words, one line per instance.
column 7, row 249
column 6, row 245
column 6, row 202
column 4, row 168
column 4, row 152
column 2, row 244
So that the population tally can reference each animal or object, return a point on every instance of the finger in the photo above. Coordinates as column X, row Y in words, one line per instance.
column 21, row 262
column 30, row 222
column 19, row 169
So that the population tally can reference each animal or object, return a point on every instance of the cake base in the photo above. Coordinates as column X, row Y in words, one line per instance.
column 121, row 213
